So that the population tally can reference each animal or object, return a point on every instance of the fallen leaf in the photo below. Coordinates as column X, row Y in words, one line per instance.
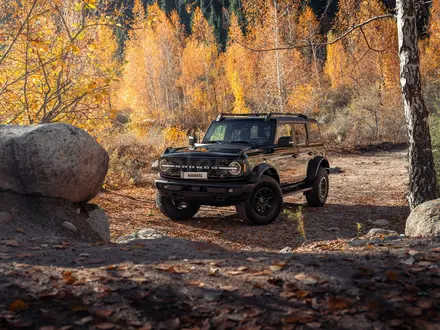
column 253, row 260
column 104, row 313
column 276, row 268
column 146, row 326
column 314, row 325
column 228, row 288
column 298, row 317
column 414, row 311
column 12, row 243
column 307, row 279
column 302, row 294
column 18, row 306
column 287, row 294
column 47, row 327
column 237, row 317
column 392, row 275
column 78, row 308
column 105, row 326
column 339, row 302
column 424, row 263
column 84, row 320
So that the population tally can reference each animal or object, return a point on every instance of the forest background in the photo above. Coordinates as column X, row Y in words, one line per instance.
column 141, row 75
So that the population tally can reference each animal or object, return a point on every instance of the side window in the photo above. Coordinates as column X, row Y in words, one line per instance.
column 300, row 134
column 219, row 133
column 283, row 130
column 314, row 132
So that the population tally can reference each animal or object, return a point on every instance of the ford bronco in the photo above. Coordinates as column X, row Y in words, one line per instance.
column 247, row 160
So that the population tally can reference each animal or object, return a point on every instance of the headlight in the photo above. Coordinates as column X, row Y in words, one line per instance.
column 236, row 168
column 162, row 165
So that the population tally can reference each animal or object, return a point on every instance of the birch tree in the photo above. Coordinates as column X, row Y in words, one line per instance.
column 422, row 178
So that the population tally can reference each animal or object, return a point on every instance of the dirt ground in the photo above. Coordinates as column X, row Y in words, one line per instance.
column 215, row 272
column 364, row 187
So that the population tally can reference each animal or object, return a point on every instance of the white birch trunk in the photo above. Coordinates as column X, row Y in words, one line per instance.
column 422, row 178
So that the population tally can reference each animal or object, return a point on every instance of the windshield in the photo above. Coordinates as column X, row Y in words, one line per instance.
column 240, row 131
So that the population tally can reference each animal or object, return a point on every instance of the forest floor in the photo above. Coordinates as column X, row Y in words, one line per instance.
column 367, row 186
column 215, row 272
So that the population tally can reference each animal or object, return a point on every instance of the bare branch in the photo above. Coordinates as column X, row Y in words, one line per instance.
column 306, row 45
column 23, row 24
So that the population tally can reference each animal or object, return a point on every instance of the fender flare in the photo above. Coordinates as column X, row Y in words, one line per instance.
column 264, row 169
column 314, row 165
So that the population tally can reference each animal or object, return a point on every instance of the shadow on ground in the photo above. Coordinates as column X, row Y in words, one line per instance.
column 329, row 222
column 173, row 283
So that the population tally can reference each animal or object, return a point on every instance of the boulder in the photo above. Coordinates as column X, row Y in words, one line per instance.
column 424, row 220
column 98, row 221
column 51, row 160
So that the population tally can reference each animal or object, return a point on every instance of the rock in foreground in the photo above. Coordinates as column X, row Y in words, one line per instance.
column 52, row 160
column 34, row 218
column 424, row 220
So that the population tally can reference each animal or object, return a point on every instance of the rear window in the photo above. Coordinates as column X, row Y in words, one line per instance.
column 300, row 134
column 314, row 132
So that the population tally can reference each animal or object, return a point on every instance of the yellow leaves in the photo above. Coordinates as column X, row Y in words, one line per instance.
column 73, row 48
column 174, row 136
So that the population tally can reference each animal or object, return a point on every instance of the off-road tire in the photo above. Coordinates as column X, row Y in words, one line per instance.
column 175, row 210
column 320, row 186
column 246, row 210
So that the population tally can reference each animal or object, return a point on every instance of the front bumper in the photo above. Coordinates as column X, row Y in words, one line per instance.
column 204, row 192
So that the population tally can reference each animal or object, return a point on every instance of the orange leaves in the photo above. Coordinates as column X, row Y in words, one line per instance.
column 18, row 306
column 339, row 302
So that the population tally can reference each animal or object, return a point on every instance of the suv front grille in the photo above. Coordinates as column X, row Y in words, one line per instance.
column 216, row 169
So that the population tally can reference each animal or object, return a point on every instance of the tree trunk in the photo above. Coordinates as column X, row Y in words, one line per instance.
column 422, row 178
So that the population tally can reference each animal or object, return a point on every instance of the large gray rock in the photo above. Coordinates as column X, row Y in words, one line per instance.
column 52, row 160
column 424, row 220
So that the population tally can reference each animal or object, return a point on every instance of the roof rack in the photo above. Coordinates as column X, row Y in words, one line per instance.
column 267, row 116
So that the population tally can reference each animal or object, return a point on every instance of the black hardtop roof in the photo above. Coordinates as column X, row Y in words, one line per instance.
column 283, row 117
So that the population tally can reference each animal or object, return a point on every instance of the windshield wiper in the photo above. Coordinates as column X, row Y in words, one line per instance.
column 214, row 141
column 247, row 142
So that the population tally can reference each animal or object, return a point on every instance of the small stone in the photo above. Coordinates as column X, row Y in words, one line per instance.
column 69, row 226
column 5, row 217
column 148, row 233
column 408, row 261
column 287, row 249
column 380, row 222
column 98, row 221
column 380, row 231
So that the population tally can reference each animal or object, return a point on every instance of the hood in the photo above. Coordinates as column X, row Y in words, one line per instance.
column 208, row 151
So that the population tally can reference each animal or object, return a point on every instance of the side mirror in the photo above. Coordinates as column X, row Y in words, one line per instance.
column 192, row 140
column 285, row 141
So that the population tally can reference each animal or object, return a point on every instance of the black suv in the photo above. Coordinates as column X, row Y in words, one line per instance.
column 247, row 160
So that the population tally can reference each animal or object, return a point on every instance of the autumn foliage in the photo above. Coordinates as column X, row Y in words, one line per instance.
column 65, row 61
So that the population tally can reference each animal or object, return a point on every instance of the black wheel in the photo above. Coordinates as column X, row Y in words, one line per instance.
column 320, row 185
column 175, row 210
column 264, row 203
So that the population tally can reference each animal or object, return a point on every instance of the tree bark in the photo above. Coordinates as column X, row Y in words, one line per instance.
column 422, row 178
